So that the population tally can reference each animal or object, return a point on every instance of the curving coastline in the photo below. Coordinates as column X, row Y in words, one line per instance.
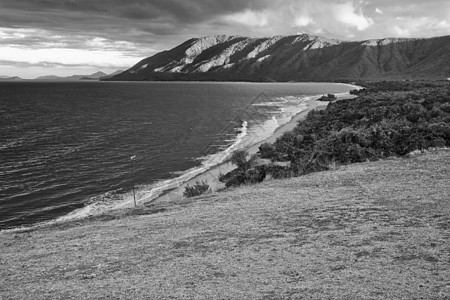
column 210, row 170
column 211, row 175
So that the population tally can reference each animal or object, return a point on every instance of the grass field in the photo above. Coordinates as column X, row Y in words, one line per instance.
column 378, row 230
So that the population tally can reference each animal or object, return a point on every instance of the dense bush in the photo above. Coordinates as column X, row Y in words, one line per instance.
column 387, row 118
column 267, row 150
column 329, row 97
column 199, row 188
column 278, row 172
column 246, row 171
column 239, row 158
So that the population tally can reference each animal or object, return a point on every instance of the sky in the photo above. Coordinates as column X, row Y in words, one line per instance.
column 67, row 37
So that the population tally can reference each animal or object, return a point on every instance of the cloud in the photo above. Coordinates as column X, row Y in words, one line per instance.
column 412, row 27
column 139, row 28
column 401, row 32
column 441, row 24
column 75, row 57
column 248, row 18
column 164, row 23
column 345, row 13
column 303, row 21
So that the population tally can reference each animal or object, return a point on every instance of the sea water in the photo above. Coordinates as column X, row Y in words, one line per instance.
column 65, row 146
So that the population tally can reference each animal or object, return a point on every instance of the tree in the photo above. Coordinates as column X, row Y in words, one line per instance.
column 329, row 97
column 199, row 188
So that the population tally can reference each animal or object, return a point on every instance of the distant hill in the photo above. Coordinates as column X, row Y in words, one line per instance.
column 295, row 58
column 9, row 78
column 94, row 76
column 112, row 74
column 49, row 77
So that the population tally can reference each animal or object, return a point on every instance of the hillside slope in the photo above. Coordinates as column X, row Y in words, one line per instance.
column 378, row 230
column 295, row 58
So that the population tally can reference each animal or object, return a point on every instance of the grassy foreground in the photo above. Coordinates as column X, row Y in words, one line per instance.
column 378, row 230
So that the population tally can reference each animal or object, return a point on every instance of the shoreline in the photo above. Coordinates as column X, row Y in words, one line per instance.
column 174, row 189
column 211, row 176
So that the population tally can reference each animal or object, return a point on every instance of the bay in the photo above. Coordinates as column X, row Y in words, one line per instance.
column 66, row 144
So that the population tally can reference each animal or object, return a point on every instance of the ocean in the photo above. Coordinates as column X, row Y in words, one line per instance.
column 65, row 146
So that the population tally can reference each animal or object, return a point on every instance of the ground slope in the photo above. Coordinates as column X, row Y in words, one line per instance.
column 377, row 230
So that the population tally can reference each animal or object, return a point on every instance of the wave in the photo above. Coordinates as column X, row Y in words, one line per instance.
column 208, row 162
column 113, row 200
column 247, row 135
column 279, row 101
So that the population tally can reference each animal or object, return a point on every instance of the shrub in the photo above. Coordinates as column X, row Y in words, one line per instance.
column 279, row 172
column 255, row 175
column 267, row 150
column 239, row 158
column 387, row 118
column 358, row 92
column 245, row 173
column 329, row 97
column 199, row 188
column 232, row 178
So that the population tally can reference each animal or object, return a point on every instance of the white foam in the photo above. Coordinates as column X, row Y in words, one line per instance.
column 147, row 193
column 278, row 102
column 263, row 131
column 289, row 107
column 207, row 163
column 351, row 85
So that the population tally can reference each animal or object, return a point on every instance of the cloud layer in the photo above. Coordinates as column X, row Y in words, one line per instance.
column 116, row 33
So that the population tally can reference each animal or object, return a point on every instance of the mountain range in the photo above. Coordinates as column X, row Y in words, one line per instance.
column 295, row 58
column 95, row 76
column 9, row 78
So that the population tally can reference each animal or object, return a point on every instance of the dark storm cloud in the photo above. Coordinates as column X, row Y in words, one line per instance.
column 151, row 25
column 131, row 20
column 179, row 11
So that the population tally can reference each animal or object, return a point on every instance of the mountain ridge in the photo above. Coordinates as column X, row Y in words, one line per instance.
column 10, row 78
column 295, row 58
column 94, row 76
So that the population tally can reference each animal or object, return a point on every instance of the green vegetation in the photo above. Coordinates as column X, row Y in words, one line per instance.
column 199, row 188
column 246, row 171
column 329, row 97
column 386, row 119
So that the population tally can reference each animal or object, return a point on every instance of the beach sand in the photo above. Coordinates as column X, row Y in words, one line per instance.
column 211, row 176
column 172, row 190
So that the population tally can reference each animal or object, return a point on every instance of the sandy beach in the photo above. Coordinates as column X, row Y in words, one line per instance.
column 172, row 189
